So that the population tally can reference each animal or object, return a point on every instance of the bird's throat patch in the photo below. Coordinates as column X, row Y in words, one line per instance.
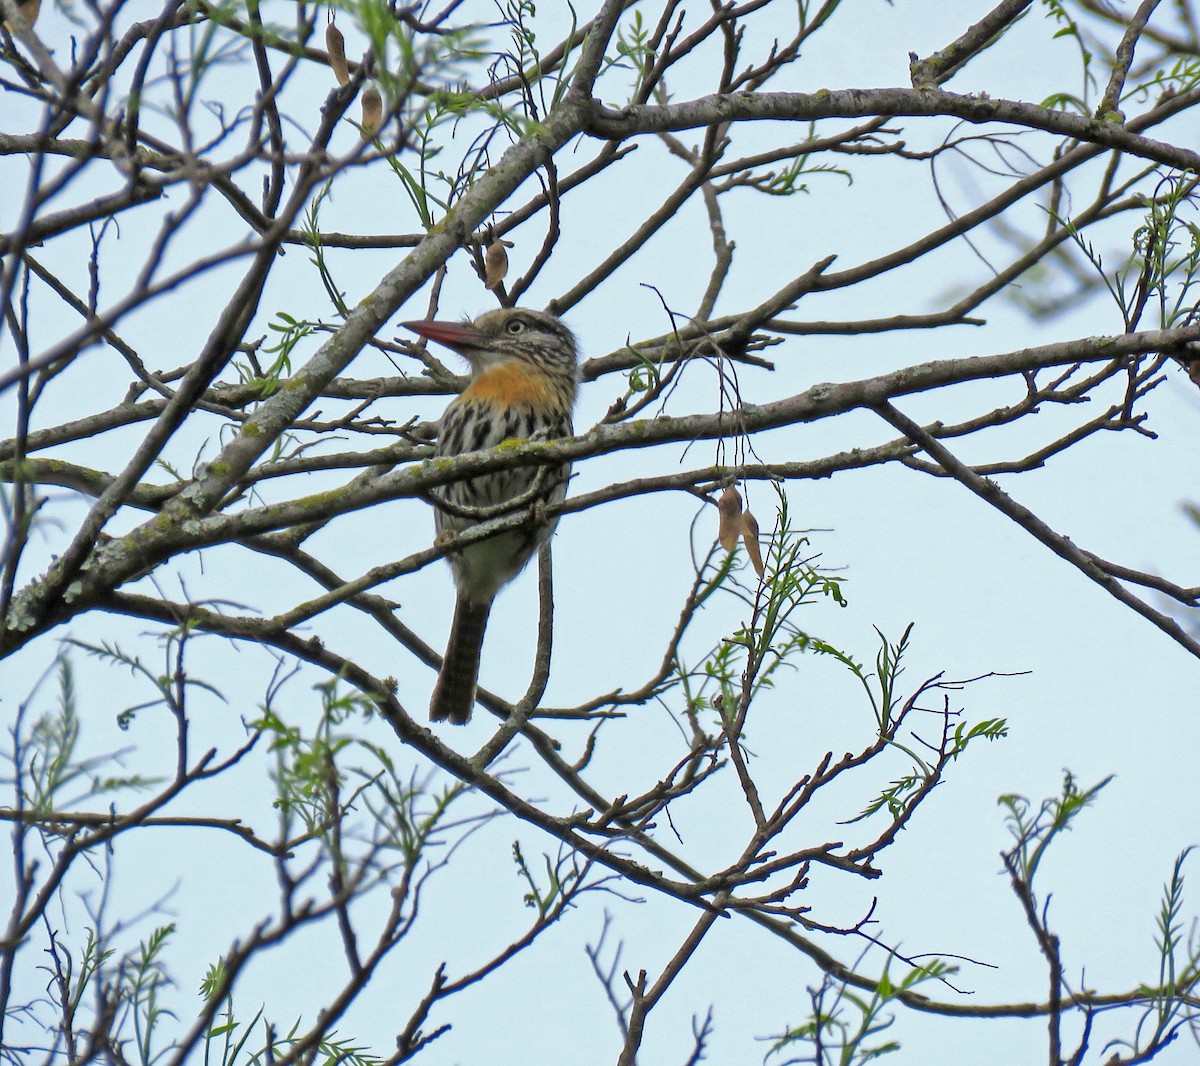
column 511, row 383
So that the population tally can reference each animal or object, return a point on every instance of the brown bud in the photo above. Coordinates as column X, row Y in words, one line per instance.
column 336, row 44
column 372, row 111
column 729, row 506
column 750, row 539
column 495, row 262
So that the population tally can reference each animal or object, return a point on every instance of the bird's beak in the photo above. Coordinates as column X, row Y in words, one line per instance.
column 456, row 335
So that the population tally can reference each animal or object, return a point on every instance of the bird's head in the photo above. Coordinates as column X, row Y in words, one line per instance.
column 508, row 333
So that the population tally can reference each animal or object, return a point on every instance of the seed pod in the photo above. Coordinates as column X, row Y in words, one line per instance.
column 372, row 111
column 495, row 262
column 29, row 11
column 750, row 539
column 336, row 44
column 729, row 506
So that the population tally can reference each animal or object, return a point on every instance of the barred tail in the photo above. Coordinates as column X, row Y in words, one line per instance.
column 454, row 693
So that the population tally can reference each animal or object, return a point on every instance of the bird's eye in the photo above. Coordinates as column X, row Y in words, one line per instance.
column 515, row 325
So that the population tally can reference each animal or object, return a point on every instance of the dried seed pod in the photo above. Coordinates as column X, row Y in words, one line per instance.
column 372, row 111
column 29, row 11
column 750, row 539
column 729, row 506
column 495, row 263
column 336, row 44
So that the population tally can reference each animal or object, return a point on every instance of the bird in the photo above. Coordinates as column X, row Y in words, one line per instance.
column 524, row 378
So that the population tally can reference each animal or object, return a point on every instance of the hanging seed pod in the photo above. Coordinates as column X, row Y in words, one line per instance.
column 29, row 11
column 729, row 507
column 372, row 111
column 750, row 539
column 336, row 44
column 495, row 263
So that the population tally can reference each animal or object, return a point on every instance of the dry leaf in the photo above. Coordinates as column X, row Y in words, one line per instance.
column 372, row 111
column 336, row 43
column 495, row 262
column 750, row 539
column 729, row 506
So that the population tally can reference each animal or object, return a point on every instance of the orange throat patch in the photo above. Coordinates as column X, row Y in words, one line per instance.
column 511, row 383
